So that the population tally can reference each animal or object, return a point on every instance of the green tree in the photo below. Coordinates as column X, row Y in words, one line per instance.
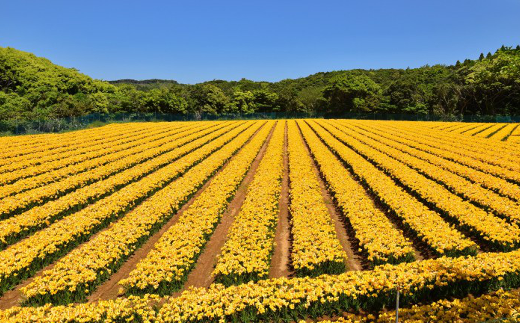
column 265, row 100
column 496, row 83
column 241, row 102
column 352, row 93
column 207, row 98
column 312, row 99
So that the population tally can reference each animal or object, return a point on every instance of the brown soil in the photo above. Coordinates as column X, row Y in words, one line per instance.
column 280, row 259
column 201, row 275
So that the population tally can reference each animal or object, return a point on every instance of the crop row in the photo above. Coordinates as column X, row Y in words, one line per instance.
column 455, row 183
column 166, row 267
column 483, row 155
column 380, row 241
column 464, row 143
column 491, row 230
column 478, row 130
column 463, row 128
column 415, row 148
column 43, row 144
column 20, row 202
column 315, row 245
column 490, row 131
column 500, row 139
column 427, row 225
column 18, row 226
column 504, row 133
column 21, row 260
column 73, row 277
column 40, row 175
column 32, row 144
column 500, row 305
column 291, row 299
column 73, row 152
column 246, row 255
column 495, row 154
column 277, row 299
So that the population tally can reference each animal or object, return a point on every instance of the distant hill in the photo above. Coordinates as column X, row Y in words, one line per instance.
column 33, row 88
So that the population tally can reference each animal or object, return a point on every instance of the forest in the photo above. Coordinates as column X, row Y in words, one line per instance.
column 33, row 88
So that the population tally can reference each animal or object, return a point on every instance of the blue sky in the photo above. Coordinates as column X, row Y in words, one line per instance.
column 195, row 41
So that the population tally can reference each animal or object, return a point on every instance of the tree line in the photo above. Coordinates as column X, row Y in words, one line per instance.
column 34, row 88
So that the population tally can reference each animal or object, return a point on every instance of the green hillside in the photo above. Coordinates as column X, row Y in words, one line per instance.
column 33, row 88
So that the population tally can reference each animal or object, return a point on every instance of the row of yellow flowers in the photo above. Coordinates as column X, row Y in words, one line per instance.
column 291, row 299
column 500, row 138
column 464, row 141
column 491, row 158
column 516, row 132
column 515, row 139
column 72, row 152
column 247, row 252
column 499, row 306
column 68, row 149
column 315, row 245
column 30, row 144
column 16, row 227
column 75, row 276
column 379, row 240
column 39, row 154
column 470, row 191
column 22, row 259
column 49, row 172
column 476, row 132
column 427, row 225
column 462, row 127
column 498, row 152
column 503, row 134
column 488, row 132
column 491, row 230
column 482, row 153
column 464, row 144
column 276, row 299
column 27, row 199
column 473, row 130
column 415, row 148
column 166, row 267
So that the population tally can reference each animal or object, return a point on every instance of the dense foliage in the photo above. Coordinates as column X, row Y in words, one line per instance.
column 34, row 88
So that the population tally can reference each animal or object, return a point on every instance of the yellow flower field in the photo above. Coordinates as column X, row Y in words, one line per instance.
column 262, row 220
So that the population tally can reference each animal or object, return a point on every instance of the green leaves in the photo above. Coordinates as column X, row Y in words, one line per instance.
column 352, row 93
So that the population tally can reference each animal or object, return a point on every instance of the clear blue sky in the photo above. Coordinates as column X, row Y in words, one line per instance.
column 195, row 41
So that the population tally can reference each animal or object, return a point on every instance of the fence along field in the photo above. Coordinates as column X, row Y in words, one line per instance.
column 120, row 223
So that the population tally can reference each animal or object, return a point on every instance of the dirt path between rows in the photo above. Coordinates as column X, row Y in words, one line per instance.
column 354, row 260
column 201, row 275
column 280, row 261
